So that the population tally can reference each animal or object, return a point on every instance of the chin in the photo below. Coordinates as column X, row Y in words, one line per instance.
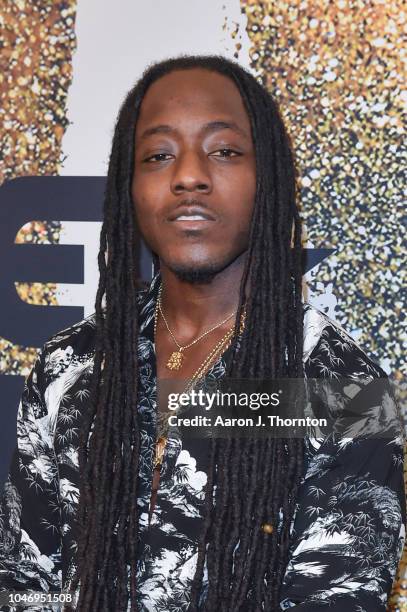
column 196, row 273
column 201, row 269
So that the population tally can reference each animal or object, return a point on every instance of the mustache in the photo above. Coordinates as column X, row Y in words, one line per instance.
column 191, row 202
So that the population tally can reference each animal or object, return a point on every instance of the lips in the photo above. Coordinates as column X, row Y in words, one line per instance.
column 191, row 218
column 191, row 213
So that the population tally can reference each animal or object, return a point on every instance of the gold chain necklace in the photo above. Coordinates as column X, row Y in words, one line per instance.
column 221, row 346
column 162, row 421
column 177, row 357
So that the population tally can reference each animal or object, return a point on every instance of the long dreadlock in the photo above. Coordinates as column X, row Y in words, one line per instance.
column 245, row 565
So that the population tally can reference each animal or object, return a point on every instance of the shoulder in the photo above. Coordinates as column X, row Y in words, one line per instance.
column 80, row 338
column 327, row 345
column 74, row 334
column 344, row 381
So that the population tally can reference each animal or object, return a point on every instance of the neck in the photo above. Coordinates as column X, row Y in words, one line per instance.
column 192, row 308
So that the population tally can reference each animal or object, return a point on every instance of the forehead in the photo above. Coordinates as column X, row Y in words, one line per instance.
column 192, row 93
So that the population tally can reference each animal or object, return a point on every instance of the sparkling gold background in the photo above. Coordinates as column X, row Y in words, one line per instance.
column 336, row 69
column 37, row 41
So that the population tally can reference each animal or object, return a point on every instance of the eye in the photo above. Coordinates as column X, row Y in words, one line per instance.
column 226, row 153
column 157, row 157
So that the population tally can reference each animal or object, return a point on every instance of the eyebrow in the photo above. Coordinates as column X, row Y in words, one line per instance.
column 212, row 126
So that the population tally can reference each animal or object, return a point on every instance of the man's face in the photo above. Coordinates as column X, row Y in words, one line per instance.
column 194, row 178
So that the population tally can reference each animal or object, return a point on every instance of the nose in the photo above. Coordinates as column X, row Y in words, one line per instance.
column 191, row 173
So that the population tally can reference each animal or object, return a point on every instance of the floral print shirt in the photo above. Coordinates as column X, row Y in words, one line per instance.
column 349, row 525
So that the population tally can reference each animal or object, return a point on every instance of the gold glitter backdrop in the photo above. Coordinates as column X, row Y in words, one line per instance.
column 336, row 69
column 37, row 41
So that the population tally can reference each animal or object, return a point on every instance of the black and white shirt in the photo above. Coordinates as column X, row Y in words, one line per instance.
column 349, row 526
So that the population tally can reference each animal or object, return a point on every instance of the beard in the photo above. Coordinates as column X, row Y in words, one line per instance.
column 196, row 276
column 201, row 272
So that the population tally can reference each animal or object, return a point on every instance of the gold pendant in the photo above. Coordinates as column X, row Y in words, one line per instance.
column 175, row 361
column 159, row 451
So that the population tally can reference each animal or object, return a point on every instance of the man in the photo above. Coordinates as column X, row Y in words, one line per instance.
column 99, row 498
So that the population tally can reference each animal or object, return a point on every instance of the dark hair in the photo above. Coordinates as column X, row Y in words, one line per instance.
column 270, row 468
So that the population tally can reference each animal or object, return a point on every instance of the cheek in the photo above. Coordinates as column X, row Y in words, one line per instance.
column 241, row 198
column 250, row 196
column 238, row 183
column 139, row 191
column 250, row 184
column 145, row 221
column 146, row 199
